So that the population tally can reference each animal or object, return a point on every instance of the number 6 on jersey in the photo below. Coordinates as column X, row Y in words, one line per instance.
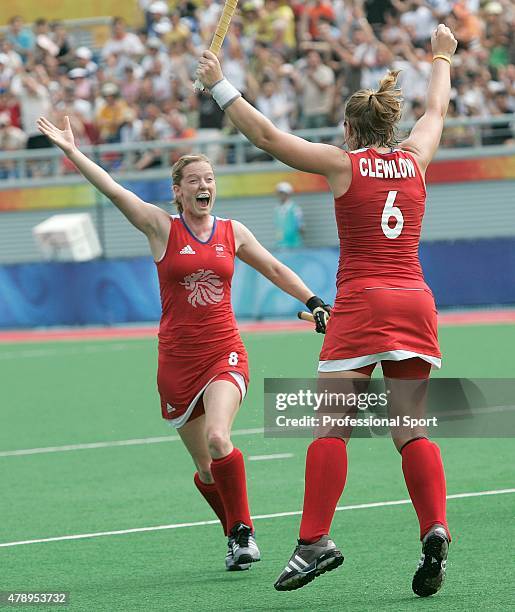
column 389, row 211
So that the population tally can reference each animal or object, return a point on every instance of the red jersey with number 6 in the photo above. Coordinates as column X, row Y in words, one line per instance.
column 198, row 334
column 379, row 218
column 383, row 310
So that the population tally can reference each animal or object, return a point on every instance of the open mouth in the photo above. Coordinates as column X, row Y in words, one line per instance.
column 203, row 199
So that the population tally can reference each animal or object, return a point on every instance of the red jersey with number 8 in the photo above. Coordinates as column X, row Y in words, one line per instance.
column 384, row 310
column 198, row 334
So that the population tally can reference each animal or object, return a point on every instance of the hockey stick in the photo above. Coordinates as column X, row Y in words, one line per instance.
column 220, row 32
column 306, row 316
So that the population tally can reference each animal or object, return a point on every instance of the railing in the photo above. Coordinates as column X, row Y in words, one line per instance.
column 90, row 31
column 42, row 166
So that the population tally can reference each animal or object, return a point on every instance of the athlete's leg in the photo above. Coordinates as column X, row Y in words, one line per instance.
column 194, row 439
column 221, row 402
column 326, row 472
column 422, row 468
column 422, row 465
column 326, row 461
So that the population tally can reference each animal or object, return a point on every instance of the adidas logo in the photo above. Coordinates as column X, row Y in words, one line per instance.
column 169, row 409
column 187, row 250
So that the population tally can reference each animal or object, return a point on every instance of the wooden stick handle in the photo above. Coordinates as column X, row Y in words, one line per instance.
column 223, row 26
column 220, row 33
column 306, row 316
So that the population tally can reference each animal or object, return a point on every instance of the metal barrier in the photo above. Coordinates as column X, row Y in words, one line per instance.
column 90, row 32
column 43, row 166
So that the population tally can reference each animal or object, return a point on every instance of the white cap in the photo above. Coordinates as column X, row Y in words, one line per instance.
column 78, row 73
column 83, row 53
column 493, row 8
column 109, row 89
column 159, row 7
column 284, row 187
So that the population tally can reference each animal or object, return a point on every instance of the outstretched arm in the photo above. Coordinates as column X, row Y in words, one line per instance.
column 253, row 253
column 425, row 135
column 149, row 219
column 294, row 151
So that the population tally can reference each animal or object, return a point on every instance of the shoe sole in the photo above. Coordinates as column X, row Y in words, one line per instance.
column 327, row 563
column 245, row 558
column 429, row 578
column 238, row 568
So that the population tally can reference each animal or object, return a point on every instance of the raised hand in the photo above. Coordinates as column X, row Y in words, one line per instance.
column 61, row 138
column 443, row 41
column 209, row 71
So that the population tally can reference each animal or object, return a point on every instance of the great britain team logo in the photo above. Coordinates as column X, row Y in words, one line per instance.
column 205, row 288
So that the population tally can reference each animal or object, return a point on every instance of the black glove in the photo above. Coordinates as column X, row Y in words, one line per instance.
column 320, row 311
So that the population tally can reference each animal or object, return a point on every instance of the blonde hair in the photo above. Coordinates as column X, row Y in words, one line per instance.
column 177, row 171
column 373, row 115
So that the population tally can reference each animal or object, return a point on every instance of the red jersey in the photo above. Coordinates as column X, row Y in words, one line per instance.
column 379, row 218
column 383, row 311
column 198, row 336
column 195, row 283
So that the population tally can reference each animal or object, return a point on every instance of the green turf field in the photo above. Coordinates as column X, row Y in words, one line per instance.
column 69, row 393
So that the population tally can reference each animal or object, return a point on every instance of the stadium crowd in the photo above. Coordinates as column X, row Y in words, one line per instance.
column 296, row 61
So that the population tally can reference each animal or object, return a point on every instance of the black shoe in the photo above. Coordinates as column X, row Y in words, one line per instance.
column 244, row 547
column 307, row 562
column 430, row 574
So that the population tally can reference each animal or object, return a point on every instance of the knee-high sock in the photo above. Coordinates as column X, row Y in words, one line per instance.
column 212, row 496
column 425, row 478
column 231, row 482
column 326, row 472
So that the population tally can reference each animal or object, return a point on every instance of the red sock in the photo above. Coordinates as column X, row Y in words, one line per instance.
column 326, row 472
column 211, row 495
column 229, row 475
column 423, row 472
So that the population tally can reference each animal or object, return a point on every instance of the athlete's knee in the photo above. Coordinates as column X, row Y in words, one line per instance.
column 218, row 442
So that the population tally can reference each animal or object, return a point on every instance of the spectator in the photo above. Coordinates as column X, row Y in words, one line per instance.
column 158, row 23
column 121, row 41
column 44, row 43
column 273, row 103
column 155, row 51
column 131, row 85
column 63, row 41
column 84, row 60
column 6, row 72
column 82, row 84
column 289, row 226
column 34, row 100
column 10, row 105
column 21, row 38
column 112, row 113
column 11, row 139
column 315, row 86
column 297, row 61
column 179, row 30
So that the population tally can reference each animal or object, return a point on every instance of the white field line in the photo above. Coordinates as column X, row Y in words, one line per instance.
column 270, row 457
column 382, row 504
column 133, row 442
column 67, row 351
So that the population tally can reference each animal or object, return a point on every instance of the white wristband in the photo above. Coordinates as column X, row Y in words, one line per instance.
column 224, row 93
